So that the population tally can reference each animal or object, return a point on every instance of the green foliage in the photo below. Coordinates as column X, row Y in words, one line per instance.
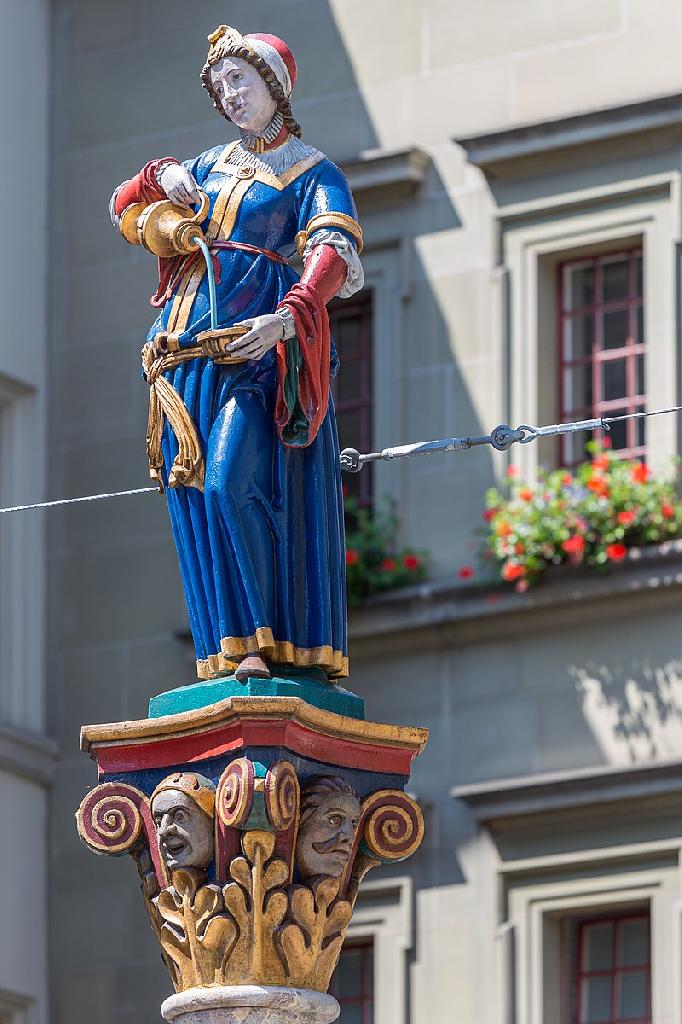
column 590, row 516
column 374, row 563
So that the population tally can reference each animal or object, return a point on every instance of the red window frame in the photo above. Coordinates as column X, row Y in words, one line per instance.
column 616, row 970
column 365, row 999
column 632, row 401
column 359, row 363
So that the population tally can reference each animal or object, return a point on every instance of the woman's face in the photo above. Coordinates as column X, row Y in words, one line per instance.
column 243, row 94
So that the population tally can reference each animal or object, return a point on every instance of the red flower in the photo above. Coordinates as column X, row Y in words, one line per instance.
column 639, row 474
column 606, row 441
column 512, row 471
column 465, row 572
column 667, row 510
column 626, row 518
column 601, row 462
column 389, row 565
column 567, row 479
column 411, row 561
column 525, row 494
column 352, row 557
column 616, row 552
column 519, row 547
column 489, row 514
column 597, row 484
column 575, row 545
column 512, row 571
column 503, row 529
column 521, row 586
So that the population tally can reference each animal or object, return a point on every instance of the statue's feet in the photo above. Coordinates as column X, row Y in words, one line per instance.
column 254, row 667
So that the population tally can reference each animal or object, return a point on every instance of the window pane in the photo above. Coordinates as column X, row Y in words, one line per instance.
column 580, row 286
column 615, row 283
column 578, row 337
column 619, row 431
column 578, row 388
column 613, row 379
column 348, row 384
column 615, row 328
column 633, row 943
column 349, row 973
column 596, row 1001
column 346, row 331
column 639, row 375
column 351, row 1013
column 351, row 434
column 640, row 433
column 639, row 325
column 631, row 995
column 638, row 275
column 598, row 950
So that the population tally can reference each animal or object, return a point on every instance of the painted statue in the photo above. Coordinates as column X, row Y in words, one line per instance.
column 242, row 434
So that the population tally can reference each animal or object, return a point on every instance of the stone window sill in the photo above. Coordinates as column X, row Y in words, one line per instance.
column 648, row 574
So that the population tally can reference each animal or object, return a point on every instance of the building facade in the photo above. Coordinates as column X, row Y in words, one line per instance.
column 517, row 168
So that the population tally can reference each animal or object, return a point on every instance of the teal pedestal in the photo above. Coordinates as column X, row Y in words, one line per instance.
column 310, row 685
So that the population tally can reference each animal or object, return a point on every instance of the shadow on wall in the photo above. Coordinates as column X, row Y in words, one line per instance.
column 633, row 710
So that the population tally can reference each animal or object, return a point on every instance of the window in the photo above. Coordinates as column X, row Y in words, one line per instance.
column 602, row 349
column 353, row 982
column 612, row 969
column 351, row 327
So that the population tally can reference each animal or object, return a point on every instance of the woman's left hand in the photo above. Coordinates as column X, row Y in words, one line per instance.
column 264, row 333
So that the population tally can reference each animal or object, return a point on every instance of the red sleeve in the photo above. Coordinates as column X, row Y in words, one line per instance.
column 303, row 362
column 143, row 188
column 325, row 270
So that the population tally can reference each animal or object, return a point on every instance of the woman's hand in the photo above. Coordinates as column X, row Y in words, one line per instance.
column 179, row 185
column 265, row 332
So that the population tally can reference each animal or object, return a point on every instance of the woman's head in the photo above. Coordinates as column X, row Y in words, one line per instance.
column 250, row 78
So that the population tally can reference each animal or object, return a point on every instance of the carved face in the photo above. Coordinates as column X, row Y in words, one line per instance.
column 326, row 838
column 244, row 96
column 183, row 830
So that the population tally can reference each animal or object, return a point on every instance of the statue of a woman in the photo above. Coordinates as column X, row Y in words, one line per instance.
column 257, row 514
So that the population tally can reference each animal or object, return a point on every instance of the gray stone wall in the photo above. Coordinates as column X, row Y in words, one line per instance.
column 500, row 699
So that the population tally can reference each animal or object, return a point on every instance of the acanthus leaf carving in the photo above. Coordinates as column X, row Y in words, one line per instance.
column 252, row 923
column 312, row 940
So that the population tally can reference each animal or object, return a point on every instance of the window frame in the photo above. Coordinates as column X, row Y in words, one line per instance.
column 364, row 1000
column 383, row 913
column 575, row 990
column 632, row 401
column 361, row 304
column 533, row 236
column 537, row 910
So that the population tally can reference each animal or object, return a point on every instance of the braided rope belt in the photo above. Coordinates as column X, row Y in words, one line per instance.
column 158, row 357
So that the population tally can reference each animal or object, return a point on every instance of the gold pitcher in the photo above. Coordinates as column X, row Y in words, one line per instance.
column 164, row 228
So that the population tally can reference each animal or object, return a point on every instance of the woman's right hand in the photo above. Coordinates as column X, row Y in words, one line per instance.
column 179, row 185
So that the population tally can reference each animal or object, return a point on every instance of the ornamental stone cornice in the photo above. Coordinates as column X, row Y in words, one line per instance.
column 576, row 789
column 377, row 174
column 493, row 150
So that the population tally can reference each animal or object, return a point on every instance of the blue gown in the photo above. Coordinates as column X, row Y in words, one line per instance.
column 261, row 549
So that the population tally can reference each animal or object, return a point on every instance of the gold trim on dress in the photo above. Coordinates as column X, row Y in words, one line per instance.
column 279, row 182
column 283, row 652
column 330, row 220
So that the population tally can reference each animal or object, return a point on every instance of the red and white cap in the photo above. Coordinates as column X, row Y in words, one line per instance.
column 277, row 55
